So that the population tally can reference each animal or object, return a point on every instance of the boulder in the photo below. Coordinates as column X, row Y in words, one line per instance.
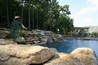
column 20, row 39
column 59, row 59
column 48, row 33
column 24, row 54
column 80, row 56
column 50, row 40
column 53, row 49
column 55, row 38
column 6, row 42
column 43, row 36
column 85, row 55
column 38, row 32
column 58, row 38
column 4, row 33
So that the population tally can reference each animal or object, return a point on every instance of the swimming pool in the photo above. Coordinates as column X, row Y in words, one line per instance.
column 69, row 45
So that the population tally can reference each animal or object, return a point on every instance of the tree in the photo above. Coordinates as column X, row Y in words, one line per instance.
column 64, row 9
column 65, row 24
column 53, row 14
column 7, row 11
column 40, row 14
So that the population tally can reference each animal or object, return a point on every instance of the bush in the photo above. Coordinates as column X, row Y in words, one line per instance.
column 23, row 33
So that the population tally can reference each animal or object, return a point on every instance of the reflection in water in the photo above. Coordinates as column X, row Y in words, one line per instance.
column 69, row 45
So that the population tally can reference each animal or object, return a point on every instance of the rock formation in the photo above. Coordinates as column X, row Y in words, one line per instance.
column 6, row 42
column 15, row 54
column 80, row 56
column 39, row 36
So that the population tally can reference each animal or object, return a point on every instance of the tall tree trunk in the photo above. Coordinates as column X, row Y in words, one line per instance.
column 22, row 11
column 7, row 10
column 32, row 16
column 29, row 15
column 37, row 17
column 37, row 20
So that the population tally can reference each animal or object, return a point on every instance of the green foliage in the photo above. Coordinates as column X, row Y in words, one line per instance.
column 94, row 34
column 23, row 33
column 65, row 24
column 3, row 35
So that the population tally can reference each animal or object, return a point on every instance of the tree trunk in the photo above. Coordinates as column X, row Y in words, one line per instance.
column 7, row 10
column 32, row 17
column 22, row 12
column 29, row 15
column 37, row 17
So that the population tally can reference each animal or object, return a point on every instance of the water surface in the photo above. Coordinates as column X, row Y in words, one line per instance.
column 69, row 45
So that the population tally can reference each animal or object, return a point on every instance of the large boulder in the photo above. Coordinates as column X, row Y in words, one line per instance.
column 24, row 54
column 80, row 56
column 85, row 55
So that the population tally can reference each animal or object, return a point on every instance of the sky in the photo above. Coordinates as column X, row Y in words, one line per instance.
column 83, row 12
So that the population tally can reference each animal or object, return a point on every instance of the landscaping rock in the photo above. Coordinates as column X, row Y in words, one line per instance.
column 15, row 54
column 48, row 33
column 85, row 55
column 6, row 42
column 24, row 54
column 80, row 56
column 43, row 36
column 20, row 39
column 50, row 40
column 38, row 32
column 4, row 33
column 53, row 49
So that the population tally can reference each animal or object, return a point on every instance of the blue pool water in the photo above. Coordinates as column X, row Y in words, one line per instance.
column 69, row 45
